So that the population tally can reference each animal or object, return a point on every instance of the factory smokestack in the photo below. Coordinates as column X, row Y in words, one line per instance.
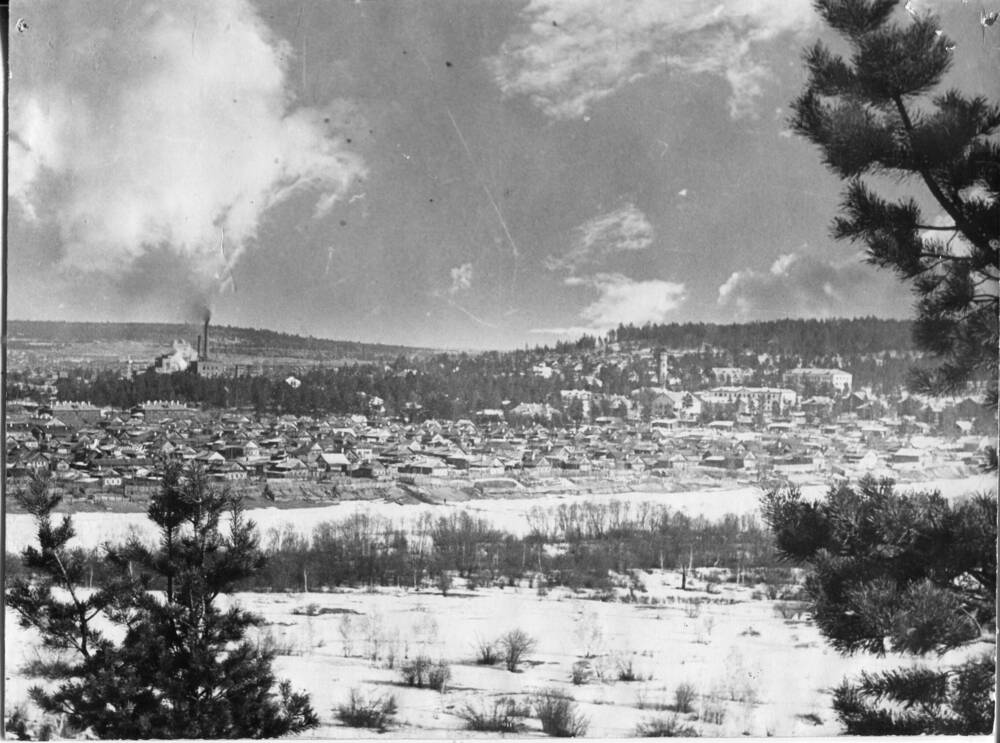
column 205, row 336
column 199, row 347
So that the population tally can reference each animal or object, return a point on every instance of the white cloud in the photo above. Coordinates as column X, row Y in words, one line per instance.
column 623, row 230
column 570, row 331
column 571, row 54
column 461, row 278
column 804, row 285
column 187, row 130
column 623, row 300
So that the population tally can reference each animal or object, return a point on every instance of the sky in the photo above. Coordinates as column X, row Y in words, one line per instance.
column 457, row 174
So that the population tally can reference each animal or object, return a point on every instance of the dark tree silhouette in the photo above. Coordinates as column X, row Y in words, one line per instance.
column 912, row 574
column 184, row 667
column 871, row 115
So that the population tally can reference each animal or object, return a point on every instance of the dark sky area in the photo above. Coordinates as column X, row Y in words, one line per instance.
column 462, row 174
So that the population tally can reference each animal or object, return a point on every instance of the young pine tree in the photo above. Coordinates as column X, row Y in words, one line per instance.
column 184, row 667
column 871, row 115
column 914, row 574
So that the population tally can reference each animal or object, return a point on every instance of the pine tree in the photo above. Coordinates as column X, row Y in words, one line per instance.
column 870, row 116
column 185, row 667
column 913, row 574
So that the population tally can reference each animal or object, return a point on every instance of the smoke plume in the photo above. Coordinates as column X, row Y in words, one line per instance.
column 180, row 359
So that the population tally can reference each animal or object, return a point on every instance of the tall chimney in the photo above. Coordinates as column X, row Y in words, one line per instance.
column 198, row 349
column 206, row 339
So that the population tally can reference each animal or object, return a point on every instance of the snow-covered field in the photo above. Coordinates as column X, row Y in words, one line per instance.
column 93, row 529
column 754, row 670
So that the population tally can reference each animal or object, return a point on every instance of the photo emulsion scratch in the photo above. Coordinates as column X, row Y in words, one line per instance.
column 481, row 369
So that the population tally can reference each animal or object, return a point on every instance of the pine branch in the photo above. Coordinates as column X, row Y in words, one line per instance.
column 953, row 209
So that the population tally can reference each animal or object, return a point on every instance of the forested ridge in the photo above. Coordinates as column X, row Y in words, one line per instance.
column 788, row 336
column 877, row 352
column 224, row 338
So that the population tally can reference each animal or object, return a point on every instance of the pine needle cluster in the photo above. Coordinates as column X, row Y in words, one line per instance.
column 912, row 574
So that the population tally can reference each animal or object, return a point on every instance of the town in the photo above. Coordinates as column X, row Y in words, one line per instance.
column 666, row 432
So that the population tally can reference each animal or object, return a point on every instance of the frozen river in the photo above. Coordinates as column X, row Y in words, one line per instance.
column 94, row 529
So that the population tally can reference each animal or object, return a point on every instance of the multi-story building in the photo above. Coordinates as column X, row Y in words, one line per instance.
column 837, row 379
column 731, row 375
column 752, row 399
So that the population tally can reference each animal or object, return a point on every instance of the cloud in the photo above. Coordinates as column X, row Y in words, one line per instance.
column 166, row 128
column 623, row 230
column 623, row 300
column 620, row 299
column 570, row 54
column 570, row 331
column 803, row 285
column 461, row 278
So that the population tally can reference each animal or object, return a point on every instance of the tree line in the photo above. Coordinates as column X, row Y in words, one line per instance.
column 796, row 337
column 578, row 545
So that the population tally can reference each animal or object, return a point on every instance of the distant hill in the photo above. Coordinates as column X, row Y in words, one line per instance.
column 111, row 342
column 800, row 337
column 344, row 376
column 94, row 342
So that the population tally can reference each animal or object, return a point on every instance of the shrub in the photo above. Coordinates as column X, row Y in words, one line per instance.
column 590, row 634
column 515, row 645
column 415, row 672
column 504, row 716
column 626, row 671
column 811, row 717
column 392, row 650
column 582, row 672
column 665, row 727
column 361, row 711
column 438, row 676
column 309, row 610
column 444, row 582
column 601, row 666
column 486, row 653
column 268, row 643
column 16, row 724
column 559, row 715
column 646, row 698
column 346, row 630
column 19, row 727
column 791, row 610
column 713, row 712
column 684, row 696
column 795, row 593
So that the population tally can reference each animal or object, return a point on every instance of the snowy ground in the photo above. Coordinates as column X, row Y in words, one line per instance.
column 754, row 671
